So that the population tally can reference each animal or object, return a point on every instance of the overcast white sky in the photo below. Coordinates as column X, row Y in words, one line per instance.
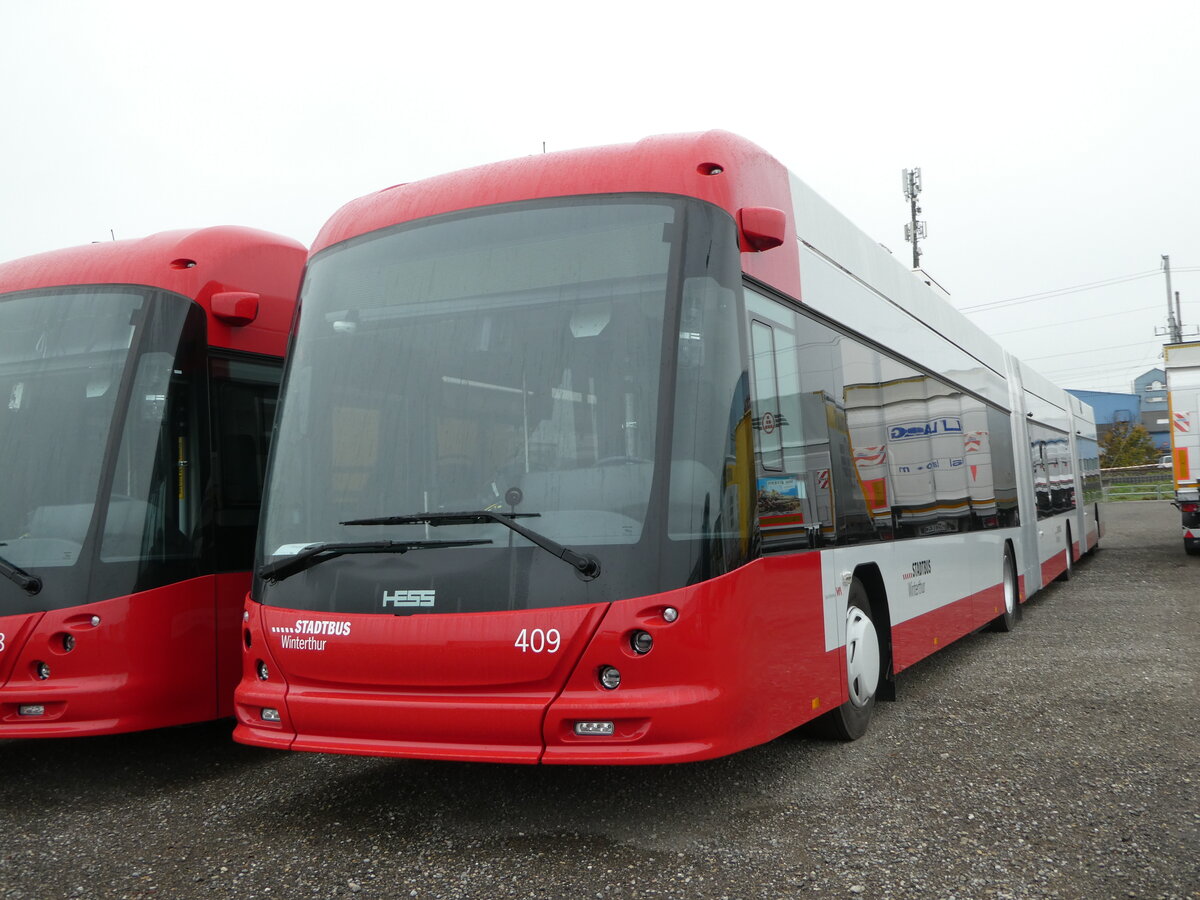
column 1059, row 142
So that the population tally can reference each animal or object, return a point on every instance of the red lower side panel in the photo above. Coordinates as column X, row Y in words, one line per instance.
column 918, row 638
column 1054, row 566
column 744, row 661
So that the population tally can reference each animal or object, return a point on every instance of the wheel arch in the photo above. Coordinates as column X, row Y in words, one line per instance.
column 872, row 581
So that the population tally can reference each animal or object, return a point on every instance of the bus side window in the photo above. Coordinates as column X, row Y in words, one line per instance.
column 766, row 397
column 244, row 394
column 154, row 512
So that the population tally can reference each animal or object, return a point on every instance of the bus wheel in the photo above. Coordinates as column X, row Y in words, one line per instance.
column 850, row 720
column 1007, row 620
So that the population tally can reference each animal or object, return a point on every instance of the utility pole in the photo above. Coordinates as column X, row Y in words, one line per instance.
column 913, row 230
column 1174, row 327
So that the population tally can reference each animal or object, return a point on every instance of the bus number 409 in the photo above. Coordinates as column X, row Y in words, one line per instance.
column 535, row 640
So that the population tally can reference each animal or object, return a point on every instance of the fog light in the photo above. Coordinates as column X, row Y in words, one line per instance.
column 610, row 678
column 593, row 728
column 263, row 673
column 270, row 715
column 31, row 709
column 43, row 671
column 641, row 642
column 68, row 642
column 670, row 614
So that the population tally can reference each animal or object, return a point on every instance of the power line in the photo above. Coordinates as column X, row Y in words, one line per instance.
column 1073, row 289
column 1106, row 374
column 1107, row 366
column 1075, row 321
column 1088, row 350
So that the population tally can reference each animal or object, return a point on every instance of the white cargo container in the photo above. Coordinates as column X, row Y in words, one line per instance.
column 1182, row 364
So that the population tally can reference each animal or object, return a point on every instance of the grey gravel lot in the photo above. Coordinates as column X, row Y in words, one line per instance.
column 1056, row 761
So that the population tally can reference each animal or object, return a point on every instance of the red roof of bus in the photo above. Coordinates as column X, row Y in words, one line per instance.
column 196, row 263
column 665, row 164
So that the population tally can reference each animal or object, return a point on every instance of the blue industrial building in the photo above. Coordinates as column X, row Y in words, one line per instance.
column 1147, row 406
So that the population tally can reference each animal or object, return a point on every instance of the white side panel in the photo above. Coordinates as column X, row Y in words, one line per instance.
column 920, row 575
column 923, row 320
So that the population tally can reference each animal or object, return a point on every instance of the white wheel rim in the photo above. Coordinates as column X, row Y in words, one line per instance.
column 862, row 656
column 1010, row 588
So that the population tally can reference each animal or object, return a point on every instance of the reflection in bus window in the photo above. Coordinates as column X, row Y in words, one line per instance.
column 872, row 448
column 1053, row 478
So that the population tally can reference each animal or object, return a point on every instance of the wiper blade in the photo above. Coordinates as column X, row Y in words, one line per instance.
column 31, row 584
column 587, row 566
column 318, row 553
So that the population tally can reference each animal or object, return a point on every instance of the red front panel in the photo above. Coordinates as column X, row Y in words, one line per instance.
column 442, row 686
column 744, row 662
column 130, row 663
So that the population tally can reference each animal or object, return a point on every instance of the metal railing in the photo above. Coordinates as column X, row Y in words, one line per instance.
column 1138, row 483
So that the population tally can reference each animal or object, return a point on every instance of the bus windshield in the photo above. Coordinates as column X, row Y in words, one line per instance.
column 62, row 358
column 67, row 358
column 505, row 361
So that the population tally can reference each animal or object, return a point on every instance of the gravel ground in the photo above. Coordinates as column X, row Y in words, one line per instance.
column 1056, row 761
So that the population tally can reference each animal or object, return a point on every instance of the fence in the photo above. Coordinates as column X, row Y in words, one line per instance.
column 1138, row 483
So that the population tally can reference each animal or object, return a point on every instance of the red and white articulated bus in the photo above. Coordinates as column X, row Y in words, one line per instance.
column 638, row 454
column 138, row 381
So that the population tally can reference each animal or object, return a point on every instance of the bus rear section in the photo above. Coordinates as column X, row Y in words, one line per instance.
column 570, row 469
column 140, row 379
column 1182, row 364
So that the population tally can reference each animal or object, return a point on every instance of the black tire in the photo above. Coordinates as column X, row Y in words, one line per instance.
column 863, row 663
column 1007, row 620
column 1096, row 546
column 1065, row 574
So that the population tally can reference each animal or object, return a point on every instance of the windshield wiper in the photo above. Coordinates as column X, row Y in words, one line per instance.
column 319, row 553
column 31, row 584
column 587, row 566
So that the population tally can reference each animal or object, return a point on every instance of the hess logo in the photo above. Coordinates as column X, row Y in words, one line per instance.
column 408, row 598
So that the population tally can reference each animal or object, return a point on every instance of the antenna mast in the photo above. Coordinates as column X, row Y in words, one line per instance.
column 913, row 230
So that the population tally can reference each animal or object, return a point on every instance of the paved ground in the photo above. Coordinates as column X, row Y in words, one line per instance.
column 1056, row 761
